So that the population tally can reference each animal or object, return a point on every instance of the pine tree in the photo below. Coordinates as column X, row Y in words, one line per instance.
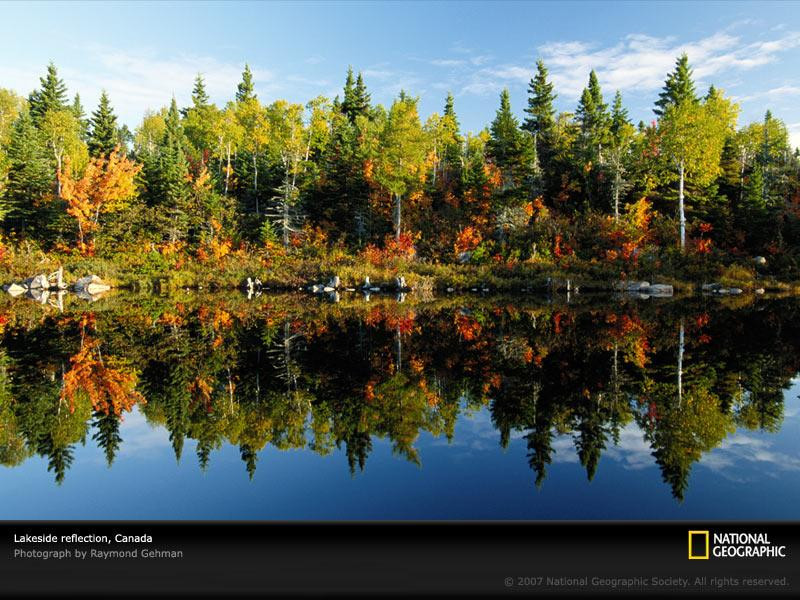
column 30, row 174
column 506, row 142
column 80, row 116
column 593, row 116
column 349, row 101
column 541, row 124
column 540, row 110
column 619, row 116
column 104, row 136
column 678, row 87
column 361, row 98
column 107, row 435
column 51, row 96
column 200, row 97
column 452, row 150
column 245, row 90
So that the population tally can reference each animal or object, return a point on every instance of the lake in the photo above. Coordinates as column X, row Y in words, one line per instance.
column 217, row 406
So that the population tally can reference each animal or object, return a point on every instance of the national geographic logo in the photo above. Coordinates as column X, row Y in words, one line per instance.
column 703, row 545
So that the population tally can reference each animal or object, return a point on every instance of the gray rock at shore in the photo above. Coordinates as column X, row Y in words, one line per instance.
column 91, row 285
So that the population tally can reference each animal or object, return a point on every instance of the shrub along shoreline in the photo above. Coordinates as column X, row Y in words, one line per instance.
column 155, row 270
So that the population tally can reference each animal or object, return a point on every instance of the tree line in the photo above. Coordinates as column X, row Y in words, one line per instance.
column 588, row 185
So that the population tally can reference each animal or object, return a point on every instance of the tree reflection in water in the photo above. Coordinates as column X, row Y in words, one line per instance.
column 292, row 373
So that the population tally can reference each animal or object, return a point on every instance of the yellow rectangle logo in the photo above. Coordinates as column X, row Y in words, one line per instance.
column 697, row 534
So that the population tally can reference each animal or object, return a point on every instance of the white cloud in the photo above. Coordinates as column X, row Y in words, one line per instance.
column 638, row 62
column 142, row 80
column 794, row 134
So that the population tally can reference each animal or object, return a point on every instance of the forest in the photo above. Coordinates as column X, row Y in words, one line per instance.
column 207, row 195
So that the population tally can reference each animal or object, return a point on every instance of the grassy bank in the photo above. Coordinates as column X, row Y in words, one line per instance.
column 155, row 270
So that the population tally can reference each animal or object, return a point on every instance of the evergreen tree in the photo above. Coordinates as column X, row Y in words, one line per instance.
column 592, row 114
column 678, row 87
column 51, row 96
column 104, row 136
column 540, row 110
column 619, row 117
column 348, row 105
column 80, row 116
column 200, row 97
column 107, row 435
column 361, row 98
column 449, row 108
column 245, row 90
column 30, row 174
column 451, row 153
column 506, row 144
column 541, row 124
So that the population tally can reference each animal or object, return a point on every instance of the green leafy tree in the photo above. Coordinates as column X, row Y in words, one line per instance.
column 401, row 161
column 692, row 136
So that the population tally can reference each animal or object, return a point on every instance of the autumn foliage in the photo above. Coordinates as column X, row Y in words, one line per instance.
column 105, row 187
column 110, row 388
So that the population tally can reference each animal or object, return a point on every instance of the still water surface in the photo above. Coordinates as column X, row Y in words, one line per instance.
column 286, row 407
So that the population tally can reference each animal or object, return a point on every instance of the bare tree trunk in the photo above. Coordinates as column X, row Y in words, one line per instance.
column 681, row 213
column 398, row 212
column 286, row 212
column 680, row 364
column 255, row 180
column 58, row 174
column 228, row 170
column 617, row 184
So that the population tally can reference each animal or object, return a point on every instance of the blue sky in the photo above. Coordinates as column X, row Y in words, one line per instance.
column 143, row 53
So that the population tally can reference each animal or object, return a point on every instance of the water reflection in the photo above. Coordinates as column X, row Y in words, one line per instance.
column 677, row 378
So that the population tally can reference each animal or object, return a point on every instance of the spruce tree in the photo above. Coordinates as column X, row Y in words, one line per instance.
column 104, row 136
column 30, row 175
column 678, row 87
column 51, row 96
column 80, row 116
column 619, row 116
column 506, row 142
column 349, row 101
column 540, row 110
column 245, row 90
column 449, row 108
column 107, row 435
column 540, row 124
column 593, row 117
column 200, row 97
column 361, row 98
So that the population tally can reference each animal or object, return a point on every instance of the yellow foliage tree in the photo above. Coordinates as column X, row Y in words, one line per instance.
column 106, row 186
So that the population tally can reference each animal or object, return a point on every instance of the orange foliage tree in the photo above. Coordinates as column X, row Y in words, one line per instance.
column 111, row 388
column 105, row 187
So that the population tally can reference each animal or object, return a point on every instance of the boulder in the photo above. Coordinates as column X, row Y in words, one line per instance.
column 464, row 257
column 15, row 289
column 759, row 291
column 735, row 291
column 39, row 282
column 91, row 284
column 710, row 287
column 760, row 260
column 660, row 290
column 400, row 282
column 632, row 286
column 334, row 283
